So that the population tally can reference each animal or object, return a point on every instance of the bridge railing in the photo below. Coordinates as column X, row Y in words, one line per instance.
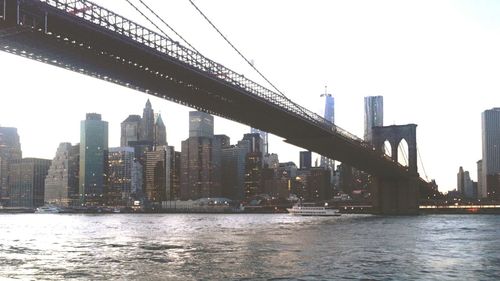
column 105, row 18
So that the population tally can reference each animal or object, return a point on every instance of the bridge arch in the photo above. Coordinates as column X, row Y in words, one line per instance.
column 387, row 148
column 395, row 135
column 403, row 149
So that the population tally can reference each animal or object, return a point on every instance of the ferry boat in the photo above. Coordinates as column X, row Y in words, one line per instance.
column 48, row 209
column 312, row 210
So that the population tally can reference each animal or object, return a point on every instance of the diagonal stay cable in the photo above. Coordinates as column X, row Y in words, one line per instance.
column 234, row 48
column 300, row 108
column 167, row 25
column 148, row 19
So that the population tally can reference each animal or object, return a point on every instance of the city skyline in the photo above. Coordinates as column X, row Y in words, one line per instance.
column 468, row 35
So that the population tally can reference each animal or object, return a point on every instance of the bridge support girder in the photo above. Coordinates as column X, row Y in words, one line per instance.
column 395, row 196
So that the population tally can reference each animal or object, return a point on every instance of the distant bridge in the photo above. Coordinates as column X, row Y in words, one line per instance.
column 81, row 36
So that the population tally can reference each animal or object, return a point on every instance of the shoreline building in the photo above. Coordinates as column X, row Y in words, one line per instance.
column 93, row 160
column 490, row 173
column 27, row 182
column 61, row 183
column 121, row 176
column 10, row 150
column 200, row 159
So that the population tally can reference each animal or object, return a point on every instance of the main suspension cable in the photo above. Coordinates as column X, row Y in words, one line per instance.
column 235, row 49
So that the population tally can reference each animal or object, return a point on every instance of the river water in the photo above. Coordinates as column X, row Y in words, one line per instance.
column 248, row 247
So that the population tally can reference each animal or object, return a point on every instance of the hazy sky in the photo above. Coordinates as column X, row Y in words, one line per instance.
column 437, row 64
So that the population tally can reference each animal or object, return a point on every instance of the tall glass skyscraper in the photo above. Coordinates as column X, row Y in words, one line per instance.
column 265, row 138
column 93, row 159
column 490, row 185
column 201, row 124
column 374, row 115
column 329, row 115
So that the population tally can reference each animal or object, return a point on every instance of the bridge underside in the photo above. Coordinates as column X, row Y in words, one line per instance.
column 63, row 40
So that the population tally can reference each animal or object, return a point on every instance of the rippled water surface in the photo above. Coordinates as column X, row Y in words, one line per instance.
column 248, row 247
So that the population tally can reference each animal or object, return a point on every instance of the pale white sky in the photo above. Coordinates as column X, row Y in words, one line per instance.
column 436, row 62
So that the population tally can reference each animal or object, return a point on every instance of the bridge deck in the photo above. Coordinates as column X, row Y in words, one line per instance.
column 83, row 37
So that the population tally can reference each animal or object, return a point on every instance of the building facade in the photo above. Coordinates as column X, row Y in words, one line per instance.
column 121, row 165
column 305, row 160
column 61, row 183
column 147, row 123
column 374, row 115
column 10, row 150
column 93, row 160
column 130, row 130
column 233, row 170
column 491, row 152
column 157, row 166
column 201, row 159
column 27, row 182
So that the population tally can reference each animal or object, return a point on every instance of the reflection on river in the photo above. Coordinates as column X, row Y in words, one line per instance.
column 251, row 247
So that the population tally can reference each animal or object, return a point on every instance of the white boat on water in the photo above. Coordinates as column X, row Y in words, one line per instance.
column 48, row 210
column 312, row 210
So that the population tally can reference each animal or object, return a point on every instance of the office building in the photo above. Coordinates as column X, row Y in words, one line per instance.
column 61, row 183
column 374, row 115
column 147, row 123
column 93, row 159
column 10, row 150
column 200, row 159
column 460, row 181
column 265, row 139
column 305, row 160
column 233, row 161
column 160, row 132
column 481, row 187
column 130, row 130
column 155, row 187
column 121, row 176
column 329, row 115
column 27, row 182
column 201, row 124
column 491, row 152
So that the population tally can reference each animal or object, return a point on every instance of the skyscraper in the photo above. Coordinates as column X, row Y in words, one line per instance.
column 253, row 165
column 156, row 175
column 374, row 115
column 491, row 152
column 121, row 176
column 160, row 132
column 200, row 159
column 481, row 187
column 27, row 182
column 329, row 114
column 147, row 123
column 130, row 130
column 265, row 139
column 93, row 159
column 10, row 150
column 61, row 183
column 460, row 181
column 233, row 170
column 305, row 160
column 201, row 124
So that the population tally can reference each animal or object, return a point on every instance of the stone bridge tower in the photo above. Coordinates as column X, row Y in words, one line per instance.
column 396, row 196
